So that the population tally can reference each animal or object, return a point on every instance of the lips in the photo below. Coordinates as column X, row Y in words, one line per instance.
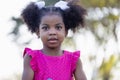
column 53, row 40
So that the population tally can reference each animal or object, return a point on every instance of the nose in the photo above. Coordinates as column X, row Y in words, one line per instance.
column 52, row 31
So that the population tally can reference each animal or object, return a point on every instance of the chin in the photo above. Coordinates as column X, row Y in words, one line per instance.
column 53, row 46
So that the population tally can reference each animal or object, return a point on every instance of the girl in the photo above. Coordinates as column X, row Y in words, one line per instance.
column 51, row 24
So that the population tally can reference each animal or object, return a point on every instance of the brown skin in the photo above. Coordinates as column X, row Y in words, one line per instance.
column 27, row 70
column 52, row 33
column 79, row 73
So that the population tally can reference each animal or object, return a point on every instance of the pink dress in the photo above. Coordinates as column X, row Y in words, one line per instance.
column 47, row 67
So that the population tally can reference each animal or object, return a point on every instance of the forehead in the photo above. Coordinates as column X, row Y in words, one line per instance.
column 52, row 18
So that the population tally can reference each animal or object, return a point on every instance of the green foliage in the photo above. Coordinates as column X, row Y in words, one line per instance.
column 106, row 67
column 51, row 2
column 19, row 22
column 101, row 3
column 69, row 43
column 113, row 17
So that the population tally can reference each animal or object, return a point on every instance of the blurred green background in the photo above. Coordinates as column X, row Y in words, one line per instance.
column 99, row 40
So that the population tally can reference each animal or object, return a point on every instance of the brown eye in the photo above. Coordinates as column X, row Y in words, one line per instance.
column 45, row 28
column 58, row 27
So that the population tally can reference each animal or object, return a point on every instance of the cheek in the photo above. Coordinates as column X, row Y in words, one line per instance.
column 43, row 38
column 63, row 35
column 42, row 35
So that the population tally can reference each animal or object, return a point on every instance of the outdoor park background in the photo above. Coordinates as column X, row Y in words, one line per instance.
column 99, row 40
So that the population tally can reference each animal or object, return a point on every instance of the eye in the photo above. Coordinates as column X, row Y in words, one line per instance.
column 45, row 27
column 58, row 27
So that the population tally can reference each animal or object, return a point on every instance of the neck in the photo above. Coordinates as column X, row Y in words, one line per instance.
column 52, row 51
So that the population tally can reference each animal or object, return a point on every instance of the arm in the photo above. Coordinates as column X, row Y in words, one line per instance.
column 27, row 71
column 79, row 73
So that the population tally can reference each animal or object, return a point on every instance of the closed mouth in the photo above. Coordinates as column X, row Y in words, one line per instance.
column 52, row 40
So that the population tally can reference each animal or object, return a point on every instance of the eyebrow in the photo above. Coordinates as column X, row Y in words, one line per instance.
column 44, row 24
column 59, row 24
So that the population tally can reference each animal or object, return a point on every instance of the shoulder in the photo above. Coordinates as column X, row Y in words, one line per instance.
column 30, row 58
column 74, row 57
column 27, row 70
column 73, row 54
column 28, row 52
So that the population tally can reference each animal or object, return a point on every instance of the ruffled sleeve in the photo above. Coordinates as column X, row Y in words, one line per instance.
column 31, row 53
column 75, row 57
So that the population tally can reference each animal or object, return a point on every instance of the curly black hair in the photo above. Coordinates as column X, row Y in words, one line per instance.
column 73, row 17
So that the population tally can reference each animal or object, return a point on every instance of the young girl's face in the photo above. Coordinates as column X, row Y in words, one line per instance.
column 52, row 31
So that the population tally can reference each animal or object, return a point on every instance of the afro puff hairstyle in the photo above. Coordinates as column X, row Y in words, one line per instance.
column 73, row 17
